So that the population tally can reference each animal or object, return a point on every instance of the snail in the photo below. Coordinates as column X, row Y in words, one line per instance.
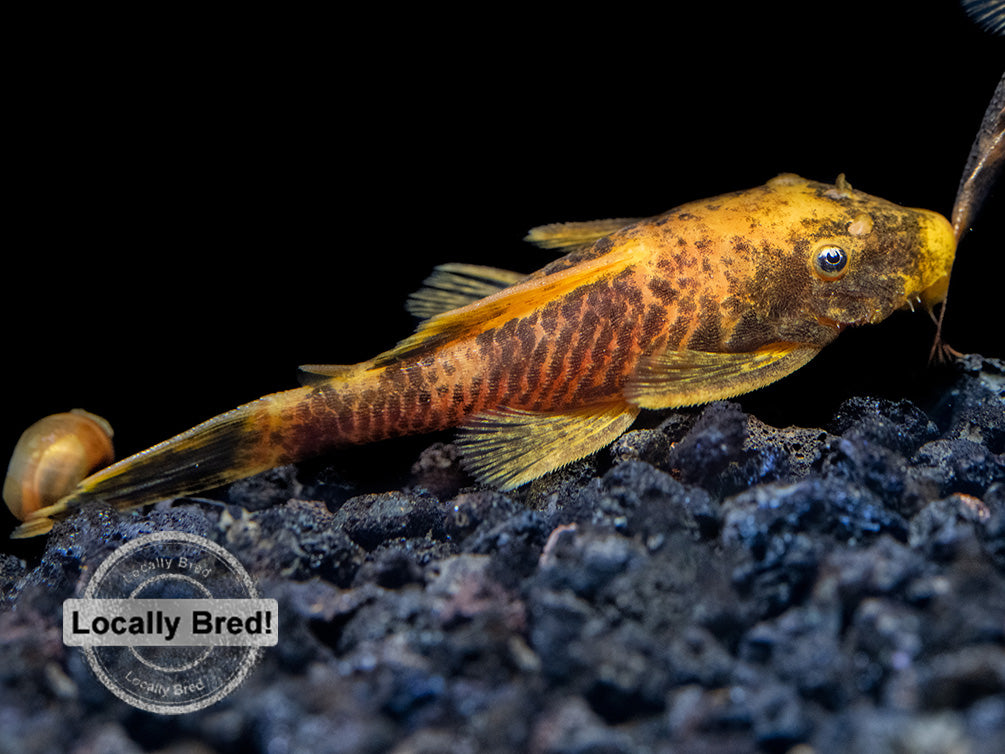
column 52, row 456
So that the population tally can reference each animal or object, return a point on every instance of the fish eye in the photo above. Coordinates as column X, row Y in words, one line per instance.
column 830, row 262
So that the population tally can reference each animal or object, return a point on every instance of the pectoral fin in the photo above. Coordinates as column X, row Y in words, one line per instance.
column 565, row 235
column 509, row 447
column 451, row 286
column 684, row 378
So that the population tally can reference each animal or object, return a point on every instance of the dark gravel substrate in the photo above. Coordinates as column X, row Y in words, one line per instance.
column 712, row 584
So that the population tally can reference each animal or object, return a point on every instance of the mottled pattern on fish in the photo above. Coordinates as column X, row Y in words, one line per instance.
column 709, row 300
column 692, row 290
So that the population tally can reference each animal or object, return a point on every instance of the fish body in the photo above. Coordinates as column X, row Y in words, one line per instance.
column 707, row 301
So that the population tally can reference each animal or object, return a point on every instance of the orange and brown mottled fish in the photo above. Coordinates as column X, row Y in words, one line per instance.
column 709, row 300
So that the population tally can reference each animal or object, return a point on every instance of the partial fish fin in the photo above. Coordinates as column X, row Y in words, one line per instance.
column 315, row 374
column 33, row 527
column 684, row 378
column 209, row 455
column 565, row 235
column 454, row 285
column 515, row 301
column 990, row 14
column 509, row 447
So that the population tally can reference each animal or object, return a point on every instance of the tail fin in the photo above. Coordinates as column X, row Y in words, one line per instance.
column 223, row 449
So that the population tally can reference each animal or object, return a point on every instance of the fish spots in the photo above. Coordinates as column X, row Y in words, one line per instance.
column 728, row 274
column 663, row 290
column 707, row 336
column 684, row 260
column 590, row 325
column 549, row 317
column 485, row 341
column 416, row 376
column 393, row 412
column 678, row 331
column 571, row 307
column 653, row 321
column 598, row 298
column 741, row 247
column 600, row 247
column 627, row 293
column 526, row 335
column 537, row 371
column 393, row 378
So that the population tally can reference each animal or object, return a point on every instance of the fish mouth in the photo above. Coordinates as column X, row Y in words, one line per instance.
column 865, row 309
column 927, row 299
column 840, row 325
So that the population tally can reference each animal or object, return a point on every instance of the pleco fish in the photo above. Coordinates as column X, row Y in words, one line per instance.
column 709, row 300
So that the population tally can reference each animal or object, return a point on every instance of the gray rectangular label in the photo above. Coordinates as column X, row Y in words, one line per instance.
column 170, row 623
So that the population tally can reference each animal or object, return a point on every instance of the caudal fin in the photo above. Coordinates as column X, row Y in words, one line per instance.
column 221, row 450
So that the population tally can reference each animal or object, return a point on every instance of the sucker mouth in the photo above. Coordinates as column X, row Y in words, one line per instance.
column 910, row 302
column 867, row 319
column 870, row 319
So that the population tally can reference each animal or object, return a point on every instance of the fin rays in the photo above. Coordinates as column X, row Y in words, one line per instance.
column 684, row 378
column 451, row 286
column 508, row 303
column 565, row 236
column 510, row 447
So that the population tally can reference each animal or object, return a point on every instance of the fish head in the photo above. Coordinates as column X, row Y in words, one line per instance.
column 849, row 258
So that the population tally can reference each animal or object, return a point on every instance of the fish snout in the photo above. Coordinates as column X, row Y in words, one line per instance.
column 936, row 254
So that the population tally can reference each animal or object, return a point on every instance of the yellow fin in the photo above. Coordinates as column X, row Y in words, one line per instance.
column 216, row 452
column 509, row 447
column 454, row 285
column 564, row 235
column 684, row 378
column 33, row 527
column 515, row 301
column 315, row 374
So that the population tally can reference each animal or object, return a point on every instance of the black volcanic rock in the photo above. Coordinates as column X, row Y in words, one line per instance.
column 708, row 584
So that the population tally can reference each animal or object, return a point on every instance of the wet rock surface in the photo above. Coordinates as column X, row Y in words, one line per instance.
column 709, row 584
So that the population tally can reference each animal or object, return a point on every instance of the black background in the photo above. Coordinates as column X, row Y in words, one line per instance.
column 197, row 205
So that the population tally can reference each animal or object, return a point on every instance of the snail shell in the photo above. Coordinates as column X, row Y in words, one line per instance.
column 52, row 456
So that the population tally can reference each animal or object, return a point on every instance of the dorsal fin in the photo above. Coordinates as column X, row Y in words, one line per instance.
column 566, row 235
column 515, row 301
column 314, row 374
column 451, row 286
